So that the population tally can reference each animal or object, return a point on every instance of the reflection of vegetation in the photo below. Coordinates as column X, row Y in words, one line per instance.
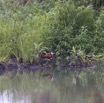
column 76, row 88
column 66, row 86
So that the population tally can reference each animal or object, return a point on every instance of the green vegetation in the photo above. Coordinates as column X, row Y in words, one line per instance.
column 25, row 28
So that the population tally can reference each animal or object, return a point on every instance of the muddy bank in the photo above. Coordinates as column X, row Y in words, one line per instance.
column 19, row 67
column 27, row 67
column 48, row 61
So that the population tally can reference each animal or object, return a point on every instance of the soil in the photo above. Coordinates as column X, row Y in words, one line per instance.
column 27, row 67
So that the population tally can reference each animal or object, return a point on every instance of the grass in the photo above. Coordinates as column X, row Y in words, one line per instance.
column 19, row 31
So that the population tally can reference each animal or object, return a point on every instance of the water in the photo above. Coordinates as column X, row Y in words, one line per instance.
column 64, row 86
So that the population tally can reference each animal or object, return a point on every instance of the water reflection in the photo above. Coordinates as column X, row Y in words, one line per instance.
column 66, row 87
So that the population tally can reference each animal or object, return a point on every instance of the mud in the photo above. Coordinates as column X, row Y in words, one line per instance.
column 27, row 67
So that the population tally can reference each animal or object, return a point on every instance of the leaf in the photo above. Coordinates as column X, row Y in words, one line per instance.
column 74, row 49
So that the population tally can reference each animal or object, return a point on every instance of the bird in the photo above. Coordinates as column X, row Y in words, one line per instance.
column 45, row 58
column 48, row 55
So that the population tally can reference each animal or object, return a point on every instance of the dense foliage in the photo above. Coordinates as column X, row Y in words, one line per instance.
column 58, row 24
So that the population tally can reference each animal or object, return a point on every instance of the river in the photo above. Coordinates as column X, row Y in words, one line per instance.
column 52, row 86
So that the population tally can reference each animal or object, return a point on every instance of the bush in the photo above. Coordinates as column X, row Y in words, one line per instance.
column 68, row 26
column 58, row 25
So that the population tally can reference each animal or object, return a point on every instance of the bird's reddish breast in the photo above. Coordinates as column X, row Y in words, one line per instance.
column 47, row 55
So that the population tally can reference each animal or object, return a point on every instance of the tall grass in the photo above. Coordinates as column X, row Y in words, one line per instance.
column 20, row 29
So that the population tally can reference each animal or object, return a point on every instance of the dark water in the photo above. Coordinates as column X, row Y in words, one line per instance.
column 64, row 86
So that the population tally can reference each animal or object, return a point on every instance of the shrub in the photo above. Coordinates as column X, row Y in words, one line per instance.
column 68, row 26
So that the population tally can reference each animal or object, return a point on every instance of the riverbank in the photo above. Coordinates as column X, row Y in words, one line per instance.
column 28, row 67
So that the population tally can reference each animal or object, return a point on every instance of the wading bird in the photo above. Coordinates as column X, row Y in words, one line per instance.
column 46, row 58
column 48, row 55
